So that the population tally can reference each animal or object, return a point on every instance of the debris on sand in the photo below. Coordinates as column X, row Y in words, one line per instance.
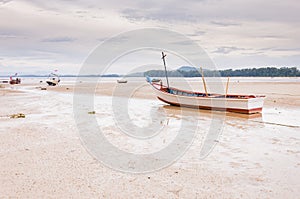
column 43, row 88
column 92, row 112
column 18, row 115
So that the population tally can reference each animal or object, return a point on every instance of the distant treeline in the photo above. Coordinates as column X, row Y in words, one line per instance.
column 188, row 71
column 249, row 72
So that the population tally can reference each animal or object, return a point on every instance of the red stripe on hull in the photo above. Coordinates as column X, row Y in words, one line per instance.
column 236, row 110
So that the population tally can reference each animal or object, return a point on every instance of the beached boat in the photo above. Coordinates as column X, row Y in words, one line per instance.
column 4, row 81
column 155, row 80
column 53, row 79
column 247, row 104
column 14, row 79
column 120, row 81
column 234, row 103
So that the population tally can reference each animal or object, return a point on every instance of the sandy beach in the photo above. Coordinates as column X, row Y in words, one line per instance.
column 42, row 155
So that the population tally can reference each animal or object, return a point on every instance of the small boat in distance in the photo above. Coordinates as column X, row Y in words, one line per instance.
column 155, row 80
column 247, row 104
column 53, row 79
column 14, row 79
column 122, row 81
column 4, row 81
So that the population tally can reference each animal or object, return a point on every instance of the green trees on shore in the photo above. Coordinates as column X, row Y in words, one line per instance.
column 262, row 72
column 249, row 72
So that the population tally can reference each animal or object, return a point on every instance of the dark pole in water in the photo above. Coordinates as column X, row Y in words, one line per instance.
column 163, row 58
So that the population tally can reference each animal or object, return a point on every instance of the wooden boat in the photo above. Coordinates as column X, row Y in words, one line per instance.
column 14, row 80
column 53, row 79
column 234, row 103
column 247, row 104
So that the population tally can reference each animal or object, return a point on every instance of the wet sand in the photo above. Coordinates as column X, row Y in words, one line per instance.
column 255, row 156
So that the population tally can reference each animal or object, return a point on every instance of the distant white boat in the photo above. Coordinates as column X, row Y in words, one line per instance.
column 53, row 79
column 155, row 80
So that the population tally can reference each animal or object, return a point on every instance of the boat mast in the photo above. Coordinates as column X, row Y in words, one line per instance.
column 204, row 84
column 163, row 58
column 227, row 84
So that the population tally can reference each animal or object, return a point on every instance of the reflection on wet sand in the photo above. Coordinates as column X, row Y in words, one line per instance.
column 209, row 113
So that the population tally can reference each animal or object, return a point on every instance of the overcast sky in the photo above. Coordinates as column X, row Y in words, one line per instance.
column 37, row 37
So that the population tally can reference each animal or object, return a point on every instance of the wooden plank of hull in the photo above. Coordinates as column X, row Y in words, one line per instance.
column 236, row 110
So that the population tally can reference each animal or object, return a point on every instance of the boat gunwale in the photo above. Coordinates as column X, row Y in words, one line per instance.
column 212, row 95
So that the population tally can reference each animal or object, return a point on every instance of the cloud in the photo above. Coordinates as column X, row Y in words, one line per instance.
column 276, row 49
column 256, row 61
column 2, row 2
column 197, row 33
column 225, row 24
column 235, row 32
column 272, row 37
column 59, row 39
column 7, row 36
column 218, row 12
column 286, row 49
column 253, row 53
column 228, row 49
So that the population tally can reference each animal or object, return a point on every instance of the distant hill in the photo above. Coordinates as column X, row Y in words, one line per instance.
column 110, row 75
column 137, row 74
column 187, row 68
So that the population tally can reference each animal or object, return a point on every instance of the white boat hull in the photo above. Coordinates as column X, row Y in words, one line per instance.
column 52, row 82
column 240, row 105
